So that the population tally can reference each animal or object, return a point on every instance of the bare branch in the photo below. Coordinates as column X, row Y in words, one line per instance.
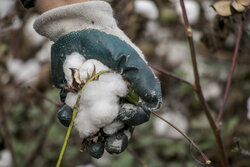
column 7, row 136
column 136, row 157
column 207, row 161
column 171, row 75
column 199, row 90
column 236, row 51
column 44, row 97
column 36, row 152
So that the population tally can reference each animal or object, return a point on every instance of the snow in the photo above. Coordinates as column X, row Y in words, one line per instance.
column 146, row 8
column 99, row 102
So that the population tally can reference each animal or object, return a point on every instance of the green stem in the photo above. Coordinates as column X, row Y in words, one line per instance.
column 74, row 116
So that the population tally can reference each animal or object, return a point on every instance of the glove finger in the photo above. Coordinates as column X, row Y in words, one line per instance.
column 64, row 115
column 96, row 150
column 118, row 142
column 133, row 115
column 63, row 95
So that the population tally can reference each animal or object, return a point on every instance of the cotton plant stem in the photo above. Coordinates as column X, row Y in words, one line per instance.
column 137, row 158
column 171, row 75
column 198, row 89
column 74, row 116
column 45, row 97
column 7, row 136
column 41, row 142
column 236, row 51
column 207, row 161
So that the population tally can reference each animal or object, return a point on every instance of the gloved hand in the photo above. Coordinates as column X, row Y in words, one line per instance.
column 89, row 29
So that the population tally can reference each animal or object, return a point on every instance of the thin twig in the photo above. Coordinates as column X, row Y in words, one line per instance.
column 44, row 97
column 198, row 89
column 171, row 75
column 31, row 159
column 7, row 136
column 59, row 161
column 137, row 158
column 239, row 149
column 236, row 51
column 41, row 142
column 207, row 161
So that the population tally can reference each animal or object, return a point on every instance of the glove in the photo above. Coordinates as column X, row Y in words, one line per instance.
column 98, row 37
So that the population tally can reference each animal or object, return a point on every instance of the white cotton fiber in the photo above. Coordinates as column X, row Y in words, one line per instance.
column 75, row 60
column 99, row 102
column 71, row 99
column 113, row 127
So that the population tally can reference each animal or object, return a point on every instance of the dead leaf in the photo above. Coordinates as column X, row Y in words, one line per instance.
column 76, row 82
column 238, row 6
column 223, row 8
column 244, row 2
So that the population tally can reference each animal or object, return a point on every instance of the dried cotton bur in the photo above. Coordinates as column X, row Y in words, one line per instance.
column 228, row 8
column 99, row 102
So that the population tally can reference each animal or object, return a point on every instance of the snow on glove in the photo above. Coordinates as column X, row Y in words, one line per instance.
column 90, row 30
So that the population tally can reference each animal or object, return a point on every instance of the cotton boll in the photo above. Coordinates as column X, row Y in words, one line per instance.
column 88, row 165
column 84, row 126
column 113, row 127
column 193, row 10
column 99, row 102
column 75, row 60
column 71, row 99
column 161, row 128
column 115, row 83
column 6, row 6
column 30, row 33
column 43, row 54
column 5, row 158
column 212, row 90
column 89, row 67
column 147, row 8
column 24, row 71
column 208, row 10
column 103, row 112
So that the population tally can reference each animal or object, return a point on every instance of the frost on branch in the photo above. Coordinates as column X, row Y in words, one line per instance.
column 99, row 102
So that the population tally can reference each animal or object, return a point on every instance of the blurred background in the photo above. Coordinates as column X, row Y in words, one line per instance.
column 31, row 135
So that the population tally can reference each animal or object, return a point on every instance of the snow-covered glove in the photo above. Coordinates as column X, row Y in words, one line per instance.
column 89, row 29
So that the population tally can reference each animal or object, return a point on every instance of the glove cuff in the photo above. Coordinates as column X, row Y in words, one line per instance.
column 97, row 15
